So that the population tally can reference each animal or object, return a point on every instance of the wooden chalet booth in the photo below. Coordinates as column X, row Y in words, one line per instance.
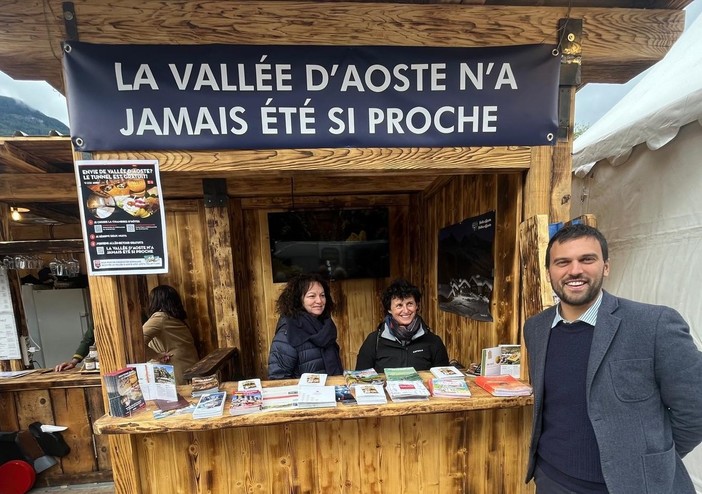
column 217, row 205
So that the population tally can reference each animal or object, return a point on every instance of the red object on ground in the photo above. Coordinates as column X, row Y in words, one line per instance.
column 16, row 477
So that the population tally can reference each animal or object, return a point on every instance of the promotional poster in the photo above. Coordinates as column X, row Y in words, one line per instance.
column 122, row 216
column 466, row 265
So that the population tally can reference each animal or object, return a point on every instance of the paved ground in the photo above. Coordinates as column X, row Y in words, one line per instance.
column 99, row 488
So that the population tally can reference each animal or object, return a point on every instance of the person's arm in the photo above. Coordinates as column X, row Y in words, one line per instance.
column 283, row 357
column 678, row 366
column 441, row 358
column 282, row 360
column 80, row 353
column 366, row 354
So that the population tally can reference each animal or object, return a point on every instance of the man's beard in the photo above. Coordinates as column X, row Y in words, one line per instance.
column 584, row 298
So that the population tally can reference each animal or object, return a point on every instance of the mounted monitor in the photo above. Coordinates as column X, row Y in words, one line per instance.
column 338, row 244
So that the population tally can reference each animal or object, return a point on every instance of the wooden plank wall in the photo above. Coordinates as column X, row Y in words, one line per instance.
column 468, row 452
column 189, row 269
column 358, row 308
column 76, row 408
column 451, row 202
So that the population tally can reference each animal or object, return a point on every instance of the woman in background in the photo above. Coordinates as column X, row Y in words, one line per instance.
column 305, row 336
column 402, row 339
column 166, row 334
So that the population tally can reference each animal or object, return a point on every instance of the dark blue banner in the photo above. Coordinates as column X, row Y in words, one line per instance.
column 147, row 97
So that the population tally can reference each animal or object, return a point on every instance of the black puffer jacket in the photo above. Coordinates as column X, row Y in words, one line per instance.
column 293, row 351
column 381, row 349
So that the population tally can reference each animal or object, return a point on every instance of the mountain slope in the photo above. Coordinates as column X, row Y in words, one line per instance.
column 15, row 115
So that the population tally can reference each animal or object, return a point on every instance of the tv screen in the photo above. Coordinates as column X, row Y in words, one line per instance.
column 338, row 244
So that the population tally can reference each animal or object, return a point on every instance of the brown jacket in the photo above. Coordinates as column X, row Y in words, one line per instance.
column 165, row 334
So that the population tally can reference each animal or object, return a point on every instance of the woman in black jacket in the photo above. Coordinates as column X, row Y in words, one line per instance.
column 402, row 339
column 305, row 336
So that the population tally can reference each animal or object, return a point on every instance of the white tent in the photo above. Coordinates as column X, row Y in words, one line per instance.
column 639, row 170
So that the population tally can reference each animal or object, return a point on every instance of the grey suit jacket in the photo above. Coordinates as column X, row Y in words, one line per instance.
column 644, row 394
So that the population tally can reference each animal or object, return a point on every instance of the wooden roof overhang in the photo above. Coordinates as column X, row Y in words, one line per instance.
column 619, row 39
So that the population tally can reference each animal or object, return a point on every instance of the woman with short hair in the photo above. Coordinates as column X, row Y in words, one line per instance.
column 402, row 339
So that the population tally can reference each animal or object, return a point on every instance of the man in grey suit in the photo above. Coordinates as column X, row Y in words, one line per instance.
column 617, row 384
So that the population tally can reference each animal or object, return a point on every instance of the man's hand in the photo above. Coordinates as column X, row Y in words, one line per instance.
column 66, row 365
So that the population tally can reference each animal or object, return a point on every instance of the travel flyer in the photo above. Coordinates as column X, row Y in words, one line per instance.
column 122, row 216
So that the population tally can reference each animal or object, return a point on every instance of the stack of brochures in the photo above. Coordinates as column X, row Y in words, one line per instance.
column 448, row 388
column 406, row 391
column 204, row 385
column 211, row 405
column 280, row 398
column 312, row 392
column 505, row 385
column 447, row 372
column 365, row 376
column 369, row 394
column 405, row 384
column 402, row 374
column 248, row 398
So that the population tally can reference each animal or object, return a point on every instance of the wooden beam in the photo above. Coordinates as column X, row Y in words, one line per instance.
column 339, row 162
column 617, row 42
column 22, row 161
column 62, row 214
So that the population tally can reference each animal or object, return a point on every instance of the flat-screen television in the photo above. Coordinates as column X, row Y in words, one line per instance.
column 338, row 244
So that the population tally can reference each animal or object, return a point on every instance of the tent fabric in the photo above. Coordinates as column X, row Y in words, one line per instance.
column 668, row 97
column 649, row 202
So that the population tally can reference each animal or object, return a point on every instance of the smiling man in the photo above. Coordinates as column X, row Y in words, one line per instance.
column 617, row 384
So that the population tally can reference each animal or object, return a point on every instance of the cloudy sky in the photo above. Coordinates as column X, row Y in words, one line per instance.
column 591, row 102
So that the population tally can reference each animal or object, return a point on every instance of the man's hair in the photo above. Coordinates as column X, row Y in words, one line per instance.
column 572, row 232
column 289, row 303
column 401, row 289
column 165, row 298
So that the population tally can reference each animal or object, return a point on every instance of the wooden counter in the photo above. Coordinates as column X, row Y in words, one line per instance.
column 68, row 398
column 476, row 445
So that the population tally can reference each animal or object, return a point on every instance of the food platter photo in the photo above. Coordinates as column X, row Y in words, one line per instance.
column 131, row 196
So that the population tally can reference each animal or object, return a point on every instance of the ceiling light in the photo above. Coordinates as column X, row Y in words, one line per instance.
column 15, row 214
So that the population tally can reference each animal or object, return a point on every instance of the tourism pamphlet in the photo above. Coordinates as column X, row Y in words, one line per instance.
column 280, row 397
column 344, row 395
column 243, row 402
column 402, row 374
column 447, row 372
column 157, row 381
column 250, row 385
column 448, row 388
column 311, row 379
column 363, row 376
column 510, row 360
column 369, row 394
column 210, row 405
column 203, row 385
column 312, row 393
column 162, row 414
column 316, row 397
column 490, row 361
column 505, row 385
column 123, row 392
column 406, row 390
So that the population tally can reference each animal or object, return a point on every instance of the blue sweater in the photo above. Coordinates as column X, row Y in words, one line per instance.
column 567, row 449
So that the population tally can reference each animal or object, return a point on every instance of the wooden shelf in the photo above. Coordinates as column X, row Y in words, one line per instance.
column 20, row 247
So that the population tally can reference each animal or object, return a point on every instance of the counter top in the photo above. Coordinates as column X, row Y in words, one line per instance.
column 47, row 378
column 144, row 423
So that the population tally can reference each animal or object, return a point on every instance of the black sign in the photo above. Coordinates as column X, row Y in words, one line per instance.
column 122, row 216
column 148, row 97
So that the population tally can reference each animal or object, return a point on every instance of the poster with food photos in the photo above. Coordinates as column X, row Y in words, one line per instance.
column 121, row 209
